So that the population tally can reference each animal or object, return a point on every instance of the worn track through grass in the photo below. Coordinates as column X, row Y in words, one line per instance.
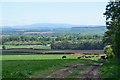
column 62, row 73
column 92, row 72
column 88, row 72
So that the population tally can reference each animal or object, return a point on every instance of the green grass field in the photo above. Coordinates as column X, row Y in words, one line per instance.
column 111, row 69
column 27, row 68
column 24, row 66
column 41, row 57
column 27, row 46
column 35, row 57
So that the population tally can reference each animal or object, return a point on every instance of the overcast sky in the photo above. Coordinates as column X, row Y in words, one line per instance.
column 82, row 13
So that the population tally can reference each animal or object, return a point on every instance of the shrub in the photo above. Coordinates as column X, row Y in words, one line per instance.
column 3, row 47
column 63, row 57
column 109, row 52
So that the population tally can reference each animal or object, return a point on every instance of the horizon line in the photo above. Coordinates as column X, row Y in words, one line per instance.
column 54, row 23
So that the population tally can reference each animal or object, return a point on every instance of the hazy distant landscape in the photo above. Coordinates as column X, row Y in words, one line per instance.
column 50, row 41
column 53, row 36
column 52, row 29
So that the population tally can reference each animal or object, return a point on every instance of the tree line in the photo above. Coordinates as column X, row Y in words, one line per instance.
column 82, row 45
column 58, row 42
column 45, row 39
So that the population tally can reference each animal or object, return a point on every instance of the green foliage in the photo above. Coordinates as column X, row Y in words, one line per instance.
column 110, row 69
column 27, row 68
column 112, row 36
column 82, row 45
column 76, row 42
column 109, row 52
column 3, row 47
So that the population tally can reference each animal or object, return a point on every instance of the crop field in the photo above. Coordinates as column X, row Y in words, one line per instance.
column 24, row 68
column 40, row 65
column 35, row 57
column 38, row 32
column 27, row 47
column 42, row 57
column 37, row 68
column 54, row 51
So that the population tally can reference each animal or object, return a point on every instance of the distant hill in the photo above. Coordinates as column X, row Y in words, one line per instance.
column 61, row 29
column 48, row 25
column 89, row 26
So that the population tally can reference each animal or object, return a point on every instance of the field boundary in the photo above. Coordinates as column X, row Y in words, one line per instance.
column 55, row 51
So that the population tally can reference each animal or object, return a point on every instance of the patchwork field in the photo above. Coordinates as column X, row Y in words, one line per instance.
column 29, row 65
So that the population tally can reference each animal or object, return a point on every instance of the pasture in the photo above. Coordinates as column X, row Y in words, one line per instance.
column 38, row 68
column 40, row 65
column 25, row 68
column 47, row 56
column 42, row 47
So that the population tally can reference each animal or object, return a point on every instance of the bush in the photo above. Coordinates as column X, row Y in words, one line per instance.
column 109, row 52
column 110, row 70
column 3, row 47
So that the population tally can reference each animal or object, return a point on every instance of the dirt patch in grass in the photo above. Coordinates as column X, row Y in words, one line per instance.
column 62, row 73
column 92, row 72
column 87, row 70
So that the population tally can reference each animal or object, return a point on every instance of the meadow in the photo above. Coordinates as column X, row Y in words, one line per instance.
column 25, row 68
column 35, row 68
column 31, row 56
column 27, row 47
column 29, row 65
column 38, row 65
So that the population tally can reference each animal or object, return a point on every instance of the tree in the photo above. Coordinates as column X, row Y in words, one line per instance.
column 3, row 47
column 113, row 25
column 109, row 52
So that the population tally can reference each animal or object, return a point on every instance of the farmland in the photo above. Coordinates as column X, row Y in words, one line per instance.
column 26, row 65
column 65, row 42
column 27, row 47
column 38, row 53
column 21, row 66
column 64, row 38
column 53, row 51
column 43, row 57
column 72, row 45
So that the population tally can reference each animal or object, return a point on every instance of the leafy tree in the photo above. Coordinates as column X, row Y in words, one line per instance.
column 112, row 36
column 83, row 45
column 109, row 52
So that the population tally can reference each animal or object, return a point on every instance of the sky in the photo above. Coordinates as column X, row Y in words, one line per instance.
column 79, row 13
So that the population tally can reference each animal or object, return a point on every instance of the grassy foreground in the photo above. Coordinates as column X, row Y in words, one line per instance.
column 27, row 68
column 111, row 69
